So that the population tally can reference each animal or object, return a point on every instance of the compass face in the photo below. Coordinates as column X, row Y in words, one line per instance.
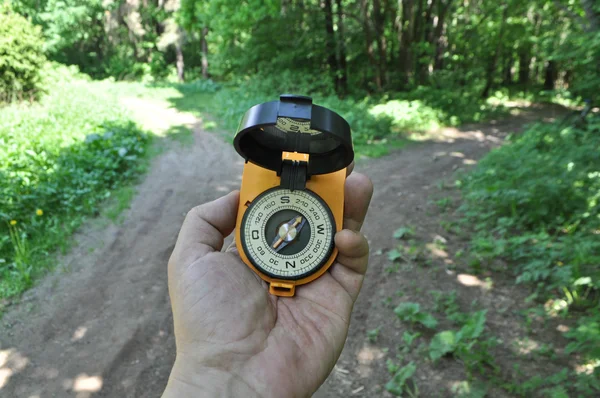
column 288, row 234
column 290, row 125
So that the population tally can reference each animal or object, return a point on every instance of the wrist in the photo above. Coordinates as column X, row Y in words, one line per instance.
column 191, row 380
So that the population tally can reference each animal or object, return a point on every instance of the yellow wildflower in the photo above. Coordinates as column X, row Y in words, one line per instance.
column 39, row 212
column 13, row 222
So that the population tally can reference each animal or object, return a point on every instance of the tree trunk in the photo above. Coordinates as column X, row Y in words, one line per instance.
column 439, row 38
column 423, row 58
column 428, row 22
column 378, row 19
column 507, row 77
column 418, row 39
column 179, row 62
column 342, row 73
column 568, row 78
column 368, row 41
column 330, row 40
column 524, row 62
column 418, row 21
column 405, row 67
column 550, row 75
column 204, row 49
column 491, row 67
column 390, row 15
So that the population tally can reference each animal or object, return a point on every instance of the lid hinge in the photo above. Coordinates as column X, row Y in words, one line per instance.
column 294, row 174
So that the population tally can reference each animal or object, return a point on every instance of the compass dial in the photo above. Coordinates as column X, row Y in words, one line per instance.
column 288, row 234
column 290, row 125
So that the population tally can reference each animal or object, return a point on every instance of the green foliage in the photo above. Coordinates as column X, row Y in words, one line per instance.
column 586, row 337
column 373, row 334
column 536, row 202
column 372, row 135
column 21, row 57
column 442, row 343
column 403, row 232
column 106, row 38
column 411, row 312
column 551, row 386
column 394, row 255
column 58, row 161
column 466, row 389
column 398, row 384
column 454, row 53
column 462, row 342
column 408, row 338
column 580, row 49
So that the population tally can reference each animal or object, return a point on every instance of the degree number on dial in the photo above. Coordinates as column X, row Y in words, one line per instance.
column 288, row 234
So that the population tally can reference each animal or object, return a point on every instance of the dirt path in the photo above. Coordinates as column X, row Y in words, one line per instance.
column 101, row 325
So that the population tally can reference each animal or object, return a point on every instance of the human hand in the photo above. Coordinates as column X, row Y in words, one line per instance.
column 234, row 338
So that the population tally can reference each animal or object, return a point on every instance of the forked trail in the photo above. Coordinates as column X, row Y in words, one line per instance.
column 101, row 324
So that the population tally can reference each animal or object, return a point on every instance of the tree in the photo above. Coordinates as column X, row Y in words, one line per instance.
column 21, row 57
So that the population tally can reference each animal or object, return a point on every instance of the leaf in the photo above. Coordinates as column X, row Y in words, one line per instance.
column 122, row 152
column 411, row 312
column 391, row 366
column 407, row 311
column 556, row 392
column 427, row 320
column 394, row 255
column 373, row 334
column 408, row 337
column 474, row 326
column 586, row 280
column 91, row 138
column 442, row 343
column 398, row 382
column 402, row 232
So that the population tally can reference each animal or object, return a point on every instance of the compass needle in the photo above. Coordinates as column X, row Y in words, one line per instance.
column 277, row 243
column 287, row 232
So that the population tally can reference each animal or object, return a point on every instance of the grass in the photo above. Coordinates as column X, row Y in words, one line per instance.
column 536, row 203
column 118, row 202
column 379, row 123
column 533, row 205
column 60, row 160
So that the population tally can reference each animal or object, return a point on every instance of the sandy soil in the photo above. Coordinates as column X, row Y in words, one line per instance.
column 101, row 326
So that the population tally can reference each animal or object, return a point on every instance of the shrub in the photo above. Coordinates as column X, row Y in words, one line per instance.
column 536, row 202
column 21, row 57
column 60, row 159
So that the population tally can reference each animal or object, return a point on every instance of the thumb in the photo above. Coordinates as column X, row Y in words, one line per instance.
column 204, row 230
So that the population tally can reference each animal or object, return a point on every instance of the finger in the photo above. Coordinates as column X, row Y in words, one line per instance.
column 357, row 194
column 205, row 228
column 232, row 248
column 351, row 263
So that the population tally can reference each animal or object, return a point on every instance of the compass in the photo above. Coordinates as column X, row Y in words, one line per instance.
column 288, row 234
column 292, row 194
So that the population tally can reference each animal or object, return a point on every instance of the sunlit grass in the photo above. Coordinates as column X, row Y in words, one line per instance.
column 60, row 159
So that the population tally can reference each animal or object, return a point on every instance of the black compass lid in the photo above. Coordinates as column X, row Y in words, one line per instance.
column 295, row 124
